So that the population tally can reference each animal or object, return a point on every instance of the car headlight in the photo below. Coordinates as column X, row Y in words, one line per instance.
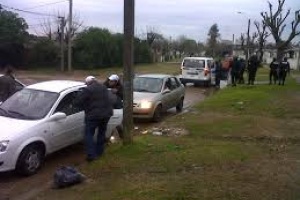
column 3, row 145
column 146, row 104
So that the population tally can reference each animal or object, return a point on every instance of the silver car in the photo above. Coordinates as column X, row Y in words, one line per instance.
column 41, row 119
column 156, row 93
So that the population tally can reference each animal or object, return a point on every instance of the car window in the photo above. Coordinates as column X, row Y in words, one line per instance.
column 193, row 63
column 171, row 84
column 210, row 64
column 66, row 105
column 29, row 104
column 147, row 84
column 177, row 82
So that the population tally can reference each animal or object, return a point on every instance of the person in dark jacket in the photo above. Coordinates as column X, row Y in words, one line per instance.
column 274, row 66
column 7, row 84
column 116, row 87
column 252, row 69
column 241, row 72
column 218, row 66
column 284, row 68
column 235, row 71
column 98, row 108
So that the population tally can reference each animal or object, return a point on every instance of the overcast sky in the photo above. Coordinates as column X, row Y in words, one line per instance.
column 172, row 18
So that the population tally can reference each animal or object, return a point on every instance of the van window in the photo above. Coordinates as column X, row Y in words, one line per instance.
column 192, row 63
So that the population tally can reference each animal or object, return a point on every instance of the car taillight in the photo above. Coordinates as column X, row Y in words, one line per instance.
column 206, row 72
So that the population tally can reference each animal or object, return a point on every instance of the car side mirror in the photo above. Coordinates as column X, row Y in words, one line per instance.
column 166, row 91
column 58, row 116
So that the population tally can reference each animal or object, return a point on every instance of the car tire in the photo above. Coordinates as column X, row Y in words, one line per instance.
column 179, row 106
column 157, row 116
column 30, row 160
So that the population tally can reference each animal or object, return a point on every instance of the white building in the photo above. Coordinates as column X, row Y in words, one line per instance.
column 292, row 54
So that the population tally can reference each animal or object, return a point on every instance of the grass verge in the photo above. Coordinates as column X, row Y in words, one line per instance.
column 243, row 144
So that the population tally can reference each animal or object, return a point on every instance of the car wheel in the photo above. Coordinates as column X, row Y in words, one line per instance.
column 30, row 160
column 179, row 106
column 157, row 114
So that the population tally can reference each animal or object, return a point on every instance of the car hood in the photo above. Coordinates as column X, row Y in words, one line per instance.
column 11, row 127
column 139, row 96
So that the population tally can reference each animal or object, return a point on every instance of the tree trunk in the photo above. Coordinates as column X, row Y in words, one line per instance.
column 261, row 54
column 280, row 54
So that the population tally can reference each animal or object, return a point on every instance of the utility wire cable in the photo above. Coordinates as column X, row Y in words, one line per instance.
column 26, row 11
column 46, row 4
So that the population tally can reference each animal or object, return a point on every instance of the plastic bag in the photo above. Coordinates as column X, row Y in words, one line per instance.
column 67, row 176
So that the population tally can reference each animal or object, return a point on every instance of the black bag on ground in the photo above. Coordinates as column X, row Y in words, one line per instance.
column 67, row 176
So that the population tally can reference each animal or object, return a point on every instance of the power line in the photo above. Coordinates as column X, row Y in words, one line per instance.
column 28, row 12
column 46, row 4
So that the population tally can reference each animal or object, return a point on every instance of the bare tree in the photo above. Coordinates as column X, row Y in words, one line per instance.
column 51, row 28
column 275, row 21
column 262, row 35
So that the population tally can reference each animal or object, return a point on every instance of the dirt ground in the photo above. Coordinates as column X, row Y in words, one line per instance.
column 14, row 187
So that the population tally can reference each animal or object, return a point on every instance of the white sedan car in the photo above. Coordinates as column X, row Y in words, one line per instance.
column 39, row 120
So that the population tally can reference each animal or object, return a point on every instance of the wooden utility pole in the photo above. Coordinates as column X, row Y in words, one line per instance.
column 70, row 36
column 128, row 71
column 248, row 41
column 62, row 46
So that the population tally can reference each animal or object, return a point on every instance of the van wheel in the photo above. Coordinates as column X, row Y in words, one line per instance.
column 179, row 106
column 30, row 160
column 157, row 116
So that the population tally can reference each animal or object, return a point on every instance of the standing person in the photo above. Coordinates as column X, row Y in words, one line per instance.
column 7, row 84
column 252, row 69
column 235, row 71
column 98, row 108
column 114, row 84
column 284, row 68
column 218, row 71
column 274, row 66
column 242, row 70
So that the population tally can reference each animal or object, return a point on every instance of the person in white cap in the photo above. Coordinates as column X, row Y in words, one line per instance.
column 114, row 84
column 98, row 108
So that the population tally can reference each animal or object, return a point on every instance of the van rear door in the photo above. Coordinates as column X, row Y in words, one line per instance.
column 193, row 68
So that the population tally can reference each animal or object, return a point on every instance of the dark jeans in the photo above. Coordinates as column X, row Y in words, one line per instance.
column 251, row 76
column 95, row 149
column 241, row 77
column 281, row 77
column 234, row 77
column 273, row 75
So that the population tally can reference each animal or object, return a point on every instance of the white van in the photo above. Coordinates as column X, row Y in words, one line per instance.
column 198, row 70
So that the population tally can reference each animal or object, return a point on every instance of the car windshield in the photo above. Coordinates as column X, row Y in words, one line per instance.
column 28, row 104
column 193, row 63
column 146, row 84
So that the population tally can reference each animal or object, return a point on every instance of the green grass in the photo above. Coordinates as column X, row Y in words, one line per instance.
column 233, row 151
column 165, row 68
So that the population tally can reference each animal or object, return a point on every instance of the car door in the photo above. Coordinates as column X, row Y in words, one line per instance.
column 176, row 91
column 69, row 130
column 212, row 67
column 172, row 95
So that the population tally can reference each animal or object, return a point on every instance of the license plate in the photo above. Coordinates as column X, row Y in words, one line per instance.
column 192, row 73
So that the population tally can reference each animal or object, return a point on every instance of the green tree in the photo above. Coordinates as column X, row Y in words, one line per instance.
column 13, row 35
column 44, row 53
column 212, row 41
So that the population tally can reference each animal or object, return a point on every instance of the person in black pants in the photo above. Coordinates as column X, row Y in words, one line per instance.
column 284, row 68
column 274, row 66
column 242, row 70
column 218, row 69
column 235, row 71
column 252, row 69
column 98, row 108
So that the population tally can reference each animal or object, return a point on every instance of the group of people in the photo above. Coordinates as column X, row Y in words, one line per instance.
column 98, row 101
column 278, row 71
column 237, row 67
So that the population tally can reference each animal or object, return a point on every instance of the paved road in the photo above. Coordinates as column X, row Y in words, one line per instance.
column 15, row 187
